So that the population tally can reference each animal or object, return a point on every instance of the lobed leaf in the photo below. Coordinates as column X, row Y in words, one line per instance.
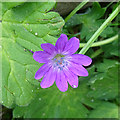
column 24, row 27
column 90, row 21
column 104, row 85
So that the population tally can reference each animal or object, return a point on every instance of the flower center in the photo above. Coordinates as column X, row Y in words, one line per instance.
column 59, row 61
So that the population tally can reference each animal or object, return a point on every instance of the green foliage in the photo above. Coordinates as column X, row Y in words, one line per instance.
column 0, row 10
column 90, row 22
column 111, row 49
column 51, row 103
column 105, row 110
column 24, row 27
column 105, row 84
column 6, row 6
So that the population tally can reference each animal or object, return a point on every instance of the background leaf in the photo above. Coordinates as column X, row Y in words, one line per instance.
column 105, row 84
column 105, row 110
column 111, row 49
column 90, row 21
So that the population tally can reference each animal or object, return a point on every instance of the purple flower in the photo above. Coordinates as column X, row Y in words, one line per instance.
column 60, row 64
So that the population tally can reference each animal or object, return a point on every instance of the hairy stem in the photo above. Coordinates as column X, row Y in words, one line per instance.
column 100, row 30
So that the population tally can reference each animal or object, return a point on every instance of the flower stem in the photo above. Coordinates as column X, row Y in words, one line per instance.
column 100, row 30
column 109, row 40
column 75, row 10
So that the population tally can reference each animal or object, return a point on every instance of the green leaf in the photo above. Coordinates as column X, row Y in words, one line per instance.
column 90, row 22
column 105, row 65
column 105, row 110
column 52, row 103
column 24, row 27
column 111, row 49
column 0, row 10
column 6, row 6
column 104, row 85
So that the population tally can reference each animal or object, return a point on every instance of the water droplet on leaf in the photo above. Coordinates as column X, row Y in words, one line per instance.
column 74, row 86
column 92, row 100
column 39, row 98
column 101, row 78
column 43, row 114
column 93, row 81
column 104, row 94
column 106, row 99
column 36, row 33
column 93, row 88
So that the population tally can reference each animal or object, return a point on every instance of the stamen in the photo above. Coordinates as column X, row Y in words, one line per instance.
column 59, row 62
column 63, row 62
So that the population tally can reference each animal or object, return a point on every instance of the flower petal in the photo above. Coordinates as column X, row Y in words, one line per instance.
column 41, row 56
column 61, row 81
column 81, row 59
column 48, row 79
column 42, row 71
column 71, row 78
column 61, row 42
column 78, row 69
column 71, row 46
column 49, row 48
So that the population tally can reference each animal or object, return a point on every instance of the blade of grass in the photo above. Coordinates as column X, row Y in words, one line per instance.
column 76, row 9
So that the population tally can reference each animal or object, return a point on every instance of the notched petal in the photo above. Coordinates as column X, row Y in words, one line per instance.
column 61, row 42
column 49, row 48
column 42, row 71
column 81, row 59
column 71, row 46
column 41, row 56
column 71, row 78
column 48, row 79
column 78, row 69
column 61, row 82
